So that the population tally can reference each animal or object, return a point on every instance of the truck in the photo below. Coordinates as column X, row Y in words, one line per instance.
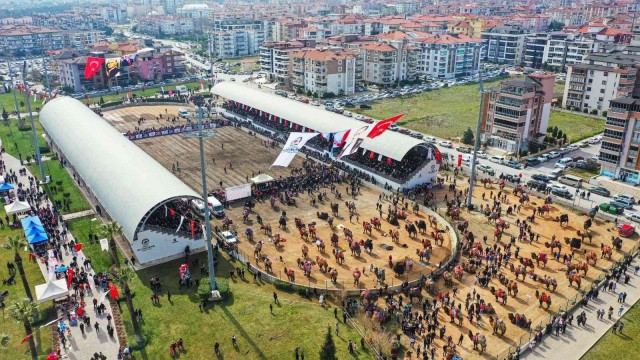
column 215, row 206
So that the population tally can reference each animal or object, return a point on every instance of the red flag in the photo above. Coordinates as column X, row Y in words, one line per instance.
column 438, row 156
column 69, row 278
column 113, row 292
column 193, row 228
column 371, row 155
column 93, row 66
column 388, row 161
column 26, row 338
column 170, row 92
column 382, row 126
column 172, row 212
column 345, row 136
column 78, row 247
column 296, row 126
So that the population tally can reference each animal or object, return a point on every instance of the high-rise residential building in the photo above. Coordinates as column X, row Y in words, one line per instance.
column 558, row 49
column 385, row 64
column 448, row 56
column 323, row 71
column 235, row 43
column 160, row 25
column 27, row 39
column 620, row 147
column 71, row 66
column 517, row 112
column 274, row 58
column 505, row 44
column 602, row 77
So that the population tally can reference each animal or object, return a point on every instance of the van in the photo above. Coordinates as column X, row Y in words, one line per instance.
column 556, row 173
column 497, row 159
column 570, row 180
column 466, row 160
column 184, row 113
column 564, row 163
column 215, row 207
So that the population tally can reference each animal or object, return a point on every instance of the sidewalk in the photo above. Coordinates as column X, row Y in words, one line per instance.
column 577, row 340
column 80, row 347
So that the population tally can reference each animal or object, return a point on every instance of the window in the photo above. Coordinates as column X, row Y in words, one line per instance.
column 604, row 82
column 601, row 91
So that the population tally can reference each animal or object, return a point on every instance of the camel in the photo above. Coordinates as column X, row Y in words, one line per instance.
column 333, row 275
column 257, row 249
column 458, row 271
column 377, row 224
column 322, row 263
column 356, row 277
column 423, row 254
column 304, row 233
column 339, row 255
column 291, row 276
column 368, row 246
column 321, row 245
column 305, row 251
column 278, row 241
column 366, row 227
column 607, row 251
column 498, row 326
column 550, row 283
column 348, row 234
column 575, row 277
column 334, row 239
column 563, row 219
column 512, row 288
column 268, row 265
column 266, row 228
column 422, row 226
column 526, row 262
column 411, row 229
column 592, row 256
column 482, row 342
column 249, row 233
column 519, row 270
column 414, row 292
column 312, row 231
column 355, row 249
column 447, row 279
column 542, row 258
column 395, row 235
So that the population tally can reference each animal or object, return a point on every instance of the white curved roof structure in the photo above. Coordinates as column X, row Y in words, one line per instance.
column 391, row 144
column 127, row 182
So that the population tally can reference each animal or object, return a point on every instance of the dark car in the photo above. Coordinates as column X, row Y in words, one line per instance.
column 532, row 161
column 513, row 164
column 599, row 190
column 563, row 193
column 540, row 177
column 365, row 107
column 464, row 150
column 537, row 185
column 349, row 104
column 511, row 178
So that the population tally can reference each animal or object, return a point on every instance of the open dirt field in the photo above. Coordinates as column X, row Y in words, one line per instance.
column 525, row 301
column 126, row 119
column 243, row 156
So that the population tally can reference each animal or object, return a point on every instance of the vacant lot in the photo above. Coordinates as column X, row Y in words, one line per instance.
column 448, row 112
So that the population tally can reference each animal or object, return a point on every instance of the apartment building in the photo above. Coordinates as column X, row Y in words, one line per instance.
column 448, row 56
column 323, row 71
column 70, row 67
column 505, row 44
column 274, row 58
column 235, row 43
column 165, row 25
column 18, row 40
column 70, row 21
column 287, row 29
column 602, row 77
column 558, row 49
column 518, row 111
column 620, row 148
column 155, row 64
column 385, row 64
column 81, row 39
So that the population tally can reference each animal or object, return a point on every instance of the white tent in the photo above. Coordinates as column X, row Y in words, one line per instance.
column 261, row 179
column 52, row 290
column 17, row 207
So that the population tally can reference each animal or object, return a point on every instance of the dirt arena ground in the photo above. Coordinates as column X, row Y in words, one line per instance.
column 525, row 302
column 243, row 156
column 126, row 119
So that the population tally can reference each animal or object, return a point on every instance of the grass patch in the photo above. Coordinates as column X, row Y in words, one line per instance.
column 19, row 143
column 250, row 63
column 615, row 346
column 6, row 101
column 297, row 322
column 81, row 228
column 448, row 112
column 582, row 173
column 61, row 188
column 146, row 92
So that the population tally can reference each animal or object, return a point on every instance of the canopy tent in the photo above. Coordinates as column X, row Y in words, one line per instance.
column 261, row 179
column 6, row 187
column 33, row 230
column 17, row 207
column 52, row 290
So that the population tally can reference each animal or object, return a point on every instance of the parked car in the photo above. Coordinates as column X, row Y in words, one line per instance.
column 611, row 209
column 497, row 159
column 553, row 154
column 365, row 107
column 486, row 169
column 532, row 161
column 464, row 150
column 625, row 204
column 632, row 217
column 537, row 185
column 541, row 177
column 430, row 139
column 446, row 143
column 624, row 197
column 315, row 103
column 599, row 190
column 513, row 164
column 563, row 193
column 481, row 154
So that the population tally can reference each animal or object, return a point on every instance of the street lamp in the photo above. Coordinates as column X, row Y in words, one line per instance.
column 476, row 147
column 36, row 144
column 201, row 134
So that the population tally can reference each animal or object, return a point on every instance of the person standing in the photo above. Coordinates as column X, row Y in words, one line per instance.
column 275, row 297
column 82, row 328
column 216, row 348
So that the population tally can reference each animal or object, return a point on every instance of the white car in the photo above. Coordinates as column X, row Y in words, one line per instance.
column 633, row 217
column 560, row 166
column 229, row 238
column 553, row 154
column 315, row 103
column 497, row 159
column 446, row 143
column 430, row 139
column 358, row 117
column 555, row 186
column 482, row 154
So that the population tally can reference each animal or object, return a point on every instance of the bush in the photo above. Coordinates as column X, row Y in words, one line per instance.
column 164, row 100
column 24, row 127
column 283, row 285
column 302, row 290
column 223, row 286
column 585, row 111
column 604, row 113
column 111, row 103
column 204, row 290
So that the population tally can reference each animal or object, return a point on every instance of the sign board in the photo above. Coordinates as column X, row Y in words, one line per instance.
column 238, row 192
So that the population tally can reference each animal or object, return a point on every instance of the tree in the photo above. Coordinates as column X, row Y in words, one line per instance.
column 555, row 26
column 559, row 135
column 111, row 230
column 309, row 93
column 5, row 116
column 467, row 137
column 17, row 243
column 533, row 147
column 328, row 351
column 22, row 311
column 123, row 277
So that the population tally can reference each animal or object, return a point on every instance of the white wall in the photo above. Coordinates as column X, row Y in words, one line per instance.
column 152, row 246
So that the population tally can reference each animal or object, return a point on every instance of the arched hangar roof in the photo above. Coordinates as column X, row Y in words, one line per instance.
column 391, row 144
column 126, row 180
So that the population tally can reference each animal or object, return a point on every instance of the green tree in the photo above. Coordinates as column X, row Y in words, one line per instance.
column 554, row 131
column 5, row 116
column 533, row 147
column 101, row 100
column 123, row 277
column 328, row 351
column 17, row 243
column 559, row 135
column 22, row 312
column 467, row 137
column 309, row 94
column 555, row 26
column 111, row 230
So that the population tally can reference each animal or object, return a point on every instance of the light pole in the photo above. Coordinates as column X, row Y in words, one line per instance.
column 36, row 144
column 476, row 147
column 201, row 134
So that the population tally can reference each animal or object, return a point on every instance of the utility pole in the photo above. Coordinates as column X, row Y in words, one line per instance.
column 36, row 144
column 201, row 134
column 474, row 158
column 13, row 90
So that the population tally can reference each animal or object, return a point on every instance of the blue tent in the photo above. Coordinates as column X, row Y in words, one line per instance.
column 33, row 230
column 37, row 238
column 6, row 187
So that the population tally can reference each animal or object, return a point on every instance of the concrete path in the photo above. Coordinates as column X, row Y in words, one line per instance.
column 77, row 215
column 579, row 339
column 81, row 347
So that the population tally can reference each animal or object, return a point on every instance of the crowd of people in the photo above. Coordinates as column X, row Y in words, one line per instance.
column 176, row 216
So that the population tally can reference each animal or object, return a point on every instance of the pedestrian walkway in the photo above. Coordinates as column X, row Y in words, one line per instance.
column 577, row 340
column 77, row 215
column 81, row 347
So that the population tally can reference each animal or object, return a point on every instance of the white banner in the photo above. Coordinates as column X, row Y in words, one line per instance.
column 104, row 245
column 354, row 140
column 238, row 192
column 295, row 142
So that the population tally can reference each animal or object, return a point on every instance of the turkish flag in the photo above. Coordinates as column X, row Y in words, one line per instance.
column 172, row 212
column 388, row 161
column 438, row 155
column 26, row 338
column 371, row 155
column 382, row 126
column 93, row 66
column 193, row 228
column 113, row 292
column 78, row 247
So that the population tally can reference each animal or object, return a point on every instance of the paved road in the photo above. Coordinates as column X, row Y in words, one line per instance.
column 579, row 339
